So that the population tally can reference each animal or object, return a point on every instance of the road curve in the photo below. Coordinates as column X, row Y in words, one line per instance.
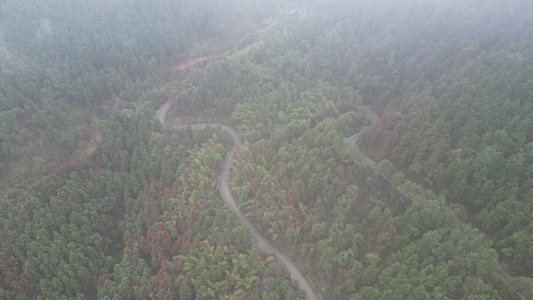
column 260, row 242
column 373, row 116
column 364, row 159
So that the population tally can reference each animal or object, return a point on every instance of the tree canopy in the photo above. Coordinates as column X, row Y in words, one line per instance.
column 99, row 200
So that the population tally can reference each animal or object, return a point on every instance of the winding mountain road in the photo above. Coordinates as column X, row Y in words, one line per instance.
column 223, row 183
column 223, row 179
column 260, row 242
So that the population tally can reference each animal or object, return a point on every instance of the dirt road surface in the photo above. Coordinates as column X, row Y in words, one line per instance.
column 223, row 179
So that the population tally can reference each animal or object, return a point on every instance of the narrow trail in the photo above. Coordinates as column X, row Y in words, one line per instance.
column 191, row 63
column 375, row 120
column 353, row 139
column 98, row 134
column 223, row 182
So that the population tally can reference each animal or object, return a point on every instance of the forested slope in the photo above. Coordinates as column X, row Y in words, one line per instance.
column 131, row 212
column 452, row 88
column 139, row 215
column 63, row 61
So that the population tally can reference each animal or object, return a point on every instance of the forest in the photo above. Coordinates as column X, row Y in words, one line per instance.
column 385, row 148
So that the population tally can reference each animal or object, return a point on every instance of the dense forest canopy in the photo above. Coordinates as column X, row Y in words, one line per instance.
column 387, row 149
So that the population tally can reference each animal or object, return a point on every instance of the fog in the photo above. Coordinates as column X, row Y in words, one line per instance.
column 254, row 149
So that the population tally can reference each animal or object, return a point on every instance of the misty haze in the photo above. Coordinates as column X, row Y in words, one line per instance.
column 253, row 149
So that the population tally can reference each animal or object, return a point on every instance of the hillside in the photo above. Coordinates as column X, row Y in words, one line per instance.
column 385, row 149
